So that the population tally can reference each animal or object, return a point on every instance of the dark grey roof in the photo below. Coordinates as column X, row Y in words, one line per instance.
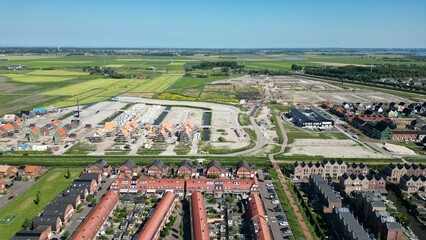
column 214, row 163
column 243, row 164
column 55, row 210
column 130, row 164
column 185, row 163
column 27, row 235
column 308, row 115
column 89, row 176
column 158, row 163
column 101, row 164
column 51, row 221
column 68, row 127
column 69, row 199
column 352, row 226
column 325, row 189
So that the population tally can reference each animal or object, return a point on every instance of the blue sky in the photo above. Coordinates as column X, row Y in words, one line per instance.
column 214, row 24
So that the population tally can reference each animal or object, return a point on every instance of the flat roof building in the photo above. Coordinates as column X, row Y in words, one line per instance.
column 310, row 118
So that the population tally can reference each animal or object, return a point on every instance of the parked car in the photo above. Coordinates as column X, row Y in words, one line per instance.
column 10, row 197
column 275, row 201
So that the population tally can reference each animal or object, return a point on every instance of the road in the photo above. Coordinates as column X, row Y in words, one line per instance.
column 17, row 188
column 283, row 183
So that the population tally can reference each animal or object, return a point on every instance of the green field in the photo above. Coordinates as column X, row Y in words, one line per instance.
column 24, row 78
column 25, row 204
column 65, row 81
column 157, row 85
column 9, row 218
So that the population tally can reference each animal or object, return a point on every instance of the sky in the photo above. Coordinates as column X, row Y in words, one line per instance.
column 214, row 24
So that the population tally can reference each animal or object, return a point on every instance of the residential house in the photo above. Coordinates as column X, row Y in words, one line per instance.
column 128, row 169
column 32, row 171
column 73, row 200
column 214, row 169
column 60, row 135
column 7, row 171
column 412, row 184
column 40, row 233
column 346, row 226
column 244, row 170
column 394, row 172
column 185, row 169
column 100, row 166
column 2, row 186
column 34, row 134
column 198, row 214
column 158, row 169
column 329, row 199
column 352, row 183
column 55, row 223
column 404, row 135
column 186, row 133
column 91, row 225
column 63, row 211
column 257, row 220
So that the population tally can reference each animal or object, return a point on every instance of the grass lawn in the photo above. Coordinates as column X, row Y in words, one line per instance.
column 49, row 185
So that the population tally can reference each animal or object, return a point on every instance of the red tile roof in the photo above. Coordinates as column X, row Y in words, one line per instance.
column 8, row 127
column 257, row 216
column 31, row 169
column 91, row 225
column 200, row 226
column 154, row 224
column 62, row 133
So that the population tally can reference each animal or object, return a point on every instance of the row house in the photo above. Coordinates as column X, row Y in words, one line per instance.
column 258, row 224
column 149, row 185
column 214, row 169
column 404, row 135
column 100, row 166
column 200, row 227
column 160, row 133
column 394, row 172
column 372, row 210
column 412, row 184
column 42, row 232
column 325, row 168
column 352, row 183
column 346, row 226
column 186, row 170
column 63, row 211
column 95, row 220
column 328, row 198
column 157, row 169
column 128, row 169
column 159, row 218
column 54, row 222
column 244, row 170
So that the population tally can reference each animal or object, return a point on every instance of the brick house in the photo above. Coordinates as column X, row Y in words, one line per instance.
column 100, row 166
column 214, row 169
column 63, row 211
column 185, row 169
column 394, row 172
column 412, row 184
column 8, row 171
column 244, row 171
column 157, row 169
column 128, row 169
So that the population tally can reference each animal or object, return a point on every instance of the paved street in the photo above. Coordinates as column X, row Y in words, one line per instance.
column 269, row 207
column 17, row 188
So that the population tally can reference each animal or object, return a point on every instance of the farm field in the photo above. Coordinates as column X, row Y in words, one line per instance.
column 161, row 77
column 24, row 205
column 157, row 85
column 24, row 78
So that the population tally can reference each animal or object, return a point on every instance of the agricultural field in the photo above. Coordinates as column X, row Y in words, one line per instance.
column 161, row 77
column 24, row 207
column 157, row 85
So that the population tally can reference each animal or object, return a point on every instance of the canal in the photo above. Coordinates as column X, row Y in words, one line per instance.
column 414, row 225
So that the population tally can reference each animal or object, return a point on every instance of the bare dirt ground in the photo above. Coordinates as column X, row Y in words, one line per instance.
column 332, row 148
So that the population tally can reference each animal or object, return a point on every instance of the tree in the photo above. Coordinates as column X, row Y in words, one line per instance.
column 93, row 202
column 66, row 235
column 27, row 224
column 37, row 199
column 68, row 174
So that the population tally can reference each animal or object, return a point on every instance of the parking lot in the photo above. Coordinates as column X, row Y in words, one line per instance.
column 275, row 214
